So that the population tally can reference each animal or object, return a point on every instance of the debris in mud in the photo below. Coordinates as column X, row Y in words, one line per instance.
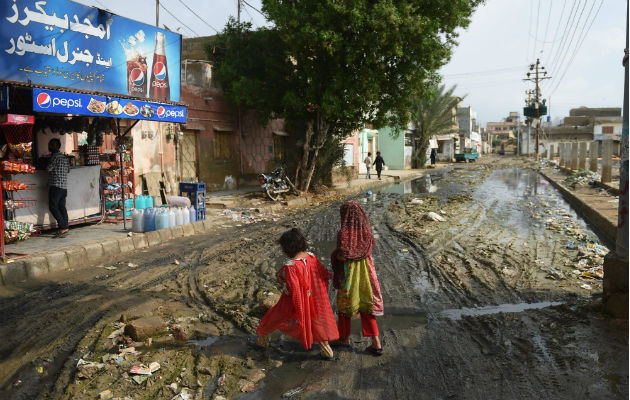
column 292, row 392
column 417, row 201
column 178, row 333
column 87, row 369
column 586, row 286
column 431, row 216
column 582, row 178
column 105, row 395
column 144, row 370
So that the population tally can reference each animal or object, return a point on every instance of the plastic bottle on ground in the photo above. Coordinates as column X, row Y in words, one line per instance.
column 172, row 220
column 179, row 217
column 137, row 221
column 185, row 216
column 149, row 220
column 161, row 219
column 192, row 214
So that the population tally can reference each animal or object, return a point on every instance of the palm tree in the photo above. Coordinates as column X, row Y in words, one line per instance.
column 433, row 115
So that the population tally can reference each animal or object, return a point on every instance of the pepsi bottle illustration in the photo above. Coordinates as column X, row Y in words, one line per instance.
column 136, row 73
column 160, row 88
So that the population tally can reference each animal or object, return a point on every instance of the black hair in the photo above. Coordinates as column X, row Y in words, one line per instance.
column 378, row 152
column 54, row 142
column 293, row 242
column 369, row 154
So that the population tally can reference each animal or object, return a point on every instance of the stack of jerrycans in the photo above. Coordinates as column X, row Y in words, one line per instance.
column 196, row 192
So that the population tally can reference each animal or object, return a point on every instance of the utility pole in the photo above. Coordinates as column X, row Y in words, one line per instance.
column 539, row 70
column 157, row 13
column 238, row 13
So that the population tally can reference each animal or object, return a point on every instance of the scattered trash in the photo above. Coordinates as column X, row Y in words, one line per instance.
column 586, row 286
column 221, row 381
column 292, row 392
column 130, row 234
column 176, row 262
column 185, row 394
column 417, row 201
column 368, row 193
column 105, row 395
column 111, row 268
column 87, row 369
column 178, row 333
column 404, row 250
column 17, row 383
column 571, row 245
column 139, row 379
column 431, row 216
column 132, row 265
column 39, row 369
column 144, row 370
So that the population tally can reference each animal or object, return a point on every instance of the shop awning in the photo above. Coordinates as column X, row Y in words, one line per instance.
column 62, row 102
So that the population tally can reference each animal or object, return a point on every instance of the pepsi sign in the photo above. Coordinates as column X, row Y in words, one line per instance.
column 56, row 101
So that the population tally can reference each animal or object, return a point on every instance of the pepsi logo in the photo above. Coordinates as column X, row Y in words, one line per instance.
column 161, row 111
column 137, row 77
column 43, row 100
column 159, row 71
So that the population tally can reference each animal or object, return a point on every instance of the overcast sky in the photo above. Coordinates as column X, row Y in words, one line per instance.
column 580, row 42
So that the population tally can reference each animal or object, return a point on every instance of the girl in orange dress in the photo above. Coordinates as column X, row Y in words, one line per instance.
column 303, row 311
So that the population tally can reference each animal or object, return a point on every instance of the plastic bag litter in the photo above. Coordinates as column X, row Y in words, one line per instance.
column 431, row 216
column 417, row 201
column 178, row 201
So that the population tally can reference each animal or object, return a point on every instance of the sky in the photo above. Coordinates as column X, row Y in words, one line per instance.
column 579, row 42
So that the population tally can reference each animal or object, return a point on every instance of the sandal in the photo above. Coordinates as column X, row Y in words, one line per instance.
column 375, row 352
column 251, row 342
column 323, row 357
column 60, row 235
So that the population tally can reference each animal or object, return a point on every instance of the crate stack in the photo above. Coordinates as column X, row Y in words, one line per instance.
column 196, row 192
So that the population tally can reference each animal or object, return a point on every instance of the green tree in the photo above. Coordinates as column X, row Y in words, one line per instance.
column 330, row 66
column 433, row 115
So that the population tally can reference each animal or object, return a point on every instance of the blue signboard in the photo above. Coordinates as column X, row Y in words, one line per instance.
column 65, row 44
column 55, row 101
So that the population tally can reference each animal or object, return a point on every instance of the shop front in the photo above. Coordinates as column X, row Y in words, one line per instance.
column 86, row 83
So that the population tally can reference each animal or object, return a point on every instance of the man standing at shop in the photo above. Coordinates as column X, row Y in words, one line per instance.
column 58, row 167
column 379, row 162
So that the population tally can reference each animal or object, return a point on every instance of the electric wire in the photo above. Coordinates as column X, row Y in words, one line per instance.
column 563, row 57
column 197, row 15
column 579, row 45
column 564, row 34
column 536, row 35
column 529, row 34
column 544, row 42
column 555, row 35
column 488, row 71
column 253, row 8
column 570, row 32
column 178, row 20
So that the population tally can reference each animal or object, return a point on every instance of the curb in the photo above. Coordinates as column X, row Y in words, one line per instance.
column 594, row 217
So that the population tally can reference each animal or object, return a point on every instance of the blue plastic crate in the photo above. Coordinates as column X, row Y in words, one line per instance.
column 192, row 187
column 201, row 214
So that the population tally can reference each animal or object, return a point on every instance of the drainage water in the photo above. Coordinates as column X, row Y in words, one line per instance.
column 459, row 313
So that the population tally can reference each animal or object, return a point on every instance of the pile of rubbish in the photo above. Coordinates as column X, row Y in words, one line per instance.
column 582, row 178
column 247, row 216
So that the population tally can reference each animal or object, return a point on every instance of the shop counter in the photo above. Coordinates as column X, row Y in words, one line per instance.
column 83, row 195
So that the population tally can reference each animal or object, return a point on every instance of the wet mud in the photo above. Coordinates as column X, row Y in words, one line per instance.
column 488, row 303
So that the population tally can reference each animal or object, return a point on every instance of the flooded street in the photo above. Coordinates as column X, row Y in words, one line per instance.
column 493, row 302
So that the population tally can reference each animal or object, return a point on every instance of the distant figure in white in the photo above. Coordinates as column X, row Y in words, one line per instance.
column 368, row 164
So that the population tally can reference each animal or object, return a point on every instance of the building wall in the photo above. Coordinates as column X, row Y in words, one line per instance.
column 392, row 148
column 257, row 144
column 154, row 152
column 354, row 140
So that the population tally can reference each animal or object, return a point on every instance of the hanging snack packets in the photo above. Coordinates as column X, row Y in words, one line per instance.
column 21, row 149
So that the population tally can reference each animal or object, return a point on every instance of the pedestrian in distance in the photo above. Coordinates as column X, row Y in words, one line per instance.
column 379, row 162
column 358, row 290
column 433, row 156
column 368, row 164
column 303, row 311
column 58, row 168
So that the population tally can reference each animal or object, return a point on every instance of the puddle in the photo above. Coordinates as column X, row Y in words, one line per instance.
column 420, row 185
column 209, row 341
column 458, row 313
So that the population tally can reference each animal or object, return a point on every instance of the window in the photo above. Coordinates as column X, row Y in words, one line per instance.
column 222, row 145
column 608, row 129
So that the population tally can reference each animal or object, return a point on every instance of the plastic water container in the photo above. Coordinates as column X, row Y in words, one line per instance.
column 179, row 216
column 137, row 221
column 148, row 201
column 192, row 214
column 172, row 220
column 161, row 219
column 149, row 219
column 140, row 203
column 186, row 215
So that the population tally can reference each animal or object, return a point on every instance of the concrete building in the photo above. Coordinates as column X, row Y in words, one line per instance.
column 468, row 128
column 505, row 129
column 397, row 148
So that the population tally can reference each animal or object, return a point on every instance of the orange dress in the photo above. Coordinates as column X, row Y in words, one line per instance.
column 303, row 311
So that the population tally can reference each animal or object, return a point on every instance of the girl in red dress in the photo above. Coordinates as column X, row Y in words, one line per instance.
column 303, row 311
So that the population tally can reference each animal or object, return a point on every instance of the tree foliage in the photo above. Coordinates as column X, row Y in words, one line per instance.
column 333, row 66
column 433, row 115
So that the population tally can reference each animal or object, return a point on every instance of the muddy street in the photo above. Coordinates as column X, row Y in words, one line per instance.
column 489, row 279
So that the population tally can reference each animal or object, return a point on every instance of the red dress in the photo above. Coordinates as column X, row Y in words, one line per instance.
column 303, row 311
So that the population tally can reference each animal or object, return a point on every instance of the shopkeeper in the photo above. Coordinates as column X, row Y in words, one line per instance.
column 58, row 167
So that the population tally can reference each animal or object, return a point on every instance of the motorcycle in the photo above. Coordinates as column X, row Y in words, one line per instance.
column 276, row 183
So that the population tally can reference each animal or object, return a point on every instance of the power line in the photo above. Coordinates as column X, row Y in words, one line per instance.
column 555, row 35
column 196, row 15
column 564, row 34
column 488, row 71
column 529, row 34
column 536, row 36
column 565, row 52
column 178, row 20
column 254, row 8
column 567, row 31
column 571, row 31
column 579, row 45
column 544, row 42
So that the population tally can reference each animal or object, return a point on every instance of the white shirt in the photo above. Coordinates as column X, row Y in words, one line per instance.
column 368, row 161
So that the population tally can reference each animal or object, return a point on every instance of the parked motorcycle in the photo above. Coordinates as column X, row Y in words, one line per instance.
column 276, row 183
